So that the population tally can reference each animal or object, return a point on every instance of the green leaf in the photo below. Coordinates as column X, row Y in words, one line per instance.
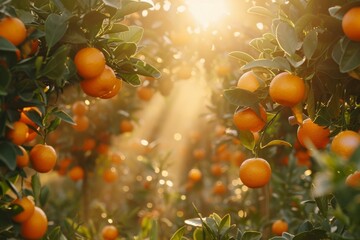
column 195, row 222
column 287, row 39
column 323, row 205
column 93, row 22
column 296, row 60
column 53, row 124
column 36, row 187
column 198, row 234
column 145, row 69
column 55, row 28
column 276, row 63
column 247, row 139
column 313, row 234
column 277, row 143
column 131, row 7
column 125, row 50
column 351, row 57
column 179, row 233
column 56, row 66
column 242, row 56
column 5, row 45
column 154, row 230
column 4, row 80
column 116, row 28
column 34, row 116
column 64, row 116
column 134, row 34
column 251, row 235
column 310, row 44
column 8, row 154
column 241, row 97
column 262, row 11
column 44, row 195
column 131, row 78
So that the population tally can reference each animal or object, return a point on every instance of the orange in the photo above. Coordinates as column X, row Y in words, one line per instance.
column 216, row 169
column 13, row 30
column 102, row 148
column 90, row 62
column 310, row 131
column 43, row 158
column 126, row 126
column 36, row 226
column 287, row 89
column 199, row 153
column 89, row 144
column 255, row 172
column 63, row 166
column 351, row 25
column 353, row 180
column 109, row 232
column 219, row 188
column 303, row 158
column 279, row 226
column 82, row 123
column 145, row 93
column 19, row 133
column 223, row 70
column 248, row 81
column 27, row 206
column 100, row 85
column 117, row 158
column 25, row 119
column 195, row 175
column 116, row 89
column 79, row 108
column 110, row 175
column 345, row 143
column 22, row 160
column 247, row 119
column 76, row 173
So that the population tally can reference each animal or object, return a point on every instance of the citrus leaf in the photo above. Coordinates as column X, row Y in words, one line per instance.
column 277, row 143
column 251, row 235
column 125, row 50
column 287, row 39
column 5, row 45
column 4, row 80
column 8, row 155
column 117, row 27
column 262, row 11
column 242, row 56
column 179, row 233
column 351, row 57
column 247, row 139
column 64, row 116
column 241, row 97
column 131, row 7
column 310, row 44
column 36, row 187
column 145, row 69
column 134, row 34
column 55, row 28
column 130, row 78
column 276, row 63
column 195, row 222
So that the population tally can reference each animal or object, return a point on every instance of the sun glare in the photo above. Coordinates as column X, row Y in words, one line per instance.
column 206, row 12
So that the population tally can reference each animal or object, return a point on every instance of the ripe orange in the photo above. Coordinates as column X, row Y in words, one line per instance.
column 109, row 232
column 287, row 89
column 63, row 166
column 310, row 131
column 145, row 93
column 27, row 206
column 36, row 226
column 126, row 126
column 82, row 123
column 110, row 175
column 89, row 144
column 345, row 143
column 76, row 173
column 117, row 158
column 13, row 30
column 219, row 188
column 19, row 133
column 116, row 89
column 22, row 160
column 279, row 226
column 248, row 81
column 102, row 148
column 26, row 119
column 353, row 180
column 255, row 172
column 100, row 85
column 216, row 169
column 43, row 158
column 90, row 62
column 303, row 158
column 247, row 119
column 199, row 153
column 195, row 175
column 350, row 24
column 79, row 108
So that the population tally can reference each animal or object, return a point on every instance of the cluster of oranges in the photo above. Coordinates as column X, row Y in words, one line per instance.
column 99, row 79
column 79, row 110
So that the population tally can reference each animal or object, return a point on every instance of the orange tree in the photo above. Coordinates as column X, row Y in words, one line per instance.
column 39, row 42
column 307, row 68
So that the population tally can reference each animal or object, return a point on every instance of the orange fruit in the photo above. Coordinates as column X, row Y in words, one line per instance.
column 199, row 153
column 345, row 143
column 303, row 158
column 216, row 169
column 310, row 131
column 63, row 165
column 90, row 62
column 27, row 206
column 287, row 89
column 76, row 173
column 353, row 180
column 117, row 158
column 223, row 70
column 22, row 160
column 195, row 175
column 89, row 144
column 36, row 226
column 126, row 126
column 19, row 133
column 100, row 85
column 79, row 108
column 110, row 175
column 109, row 232
column 255, row 172
column 82, row 123
column 247, row 119
column 13, row 30
column 279, row 226
column 116, row 89
column 25, row 119
column 102, row 148
column 248, row 81
column 43, row 158
column 219, row 188
column 350, row 24
column 145, row 93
